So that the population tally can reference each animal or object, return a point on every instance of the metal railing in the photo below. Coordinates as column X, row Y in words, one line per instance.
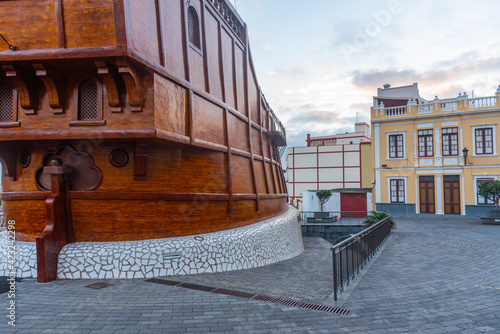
column 333, row 217
column 350, row 255
column 277, row 126
column 2, row 219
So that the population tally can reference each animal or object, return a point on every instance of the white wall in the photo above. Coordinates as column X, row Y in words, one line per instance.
column 310, row 202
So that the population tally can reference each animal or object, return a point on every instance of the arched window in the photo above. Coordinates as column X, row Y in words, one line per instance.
column 88, row 100
column 6, row 103
column 193, row 27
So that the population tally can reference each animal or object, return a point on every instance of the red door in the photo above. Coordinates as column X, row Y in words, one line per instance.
column 353, row 205
column 451, row 194
column 426, row 185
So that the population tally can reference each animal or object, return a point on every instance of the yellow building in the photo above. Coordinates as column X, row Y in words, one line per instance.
column 429, row 156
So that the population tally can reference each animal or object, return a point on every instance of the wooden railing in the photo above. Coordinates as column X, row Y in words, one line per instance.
column 229, row 14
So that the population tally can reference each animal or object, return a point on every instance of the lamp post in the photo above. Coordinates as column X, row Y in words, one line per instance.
column 465, row 152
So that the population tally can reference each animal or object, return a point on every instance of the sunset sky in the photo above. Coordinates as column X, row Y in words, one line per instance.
column 320, row 62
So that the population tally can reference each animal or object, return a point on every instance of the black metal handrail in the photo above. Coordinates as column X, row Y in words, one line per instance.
column 333, row 217
column 350, row 255
column 276, row 125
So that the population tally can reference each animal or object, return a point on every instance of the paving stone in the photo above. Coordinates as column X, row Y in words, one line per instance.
column 433, row 276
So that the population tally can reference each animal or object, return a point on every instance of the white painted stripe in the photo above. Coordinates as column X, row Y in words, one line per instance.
column 426, row 125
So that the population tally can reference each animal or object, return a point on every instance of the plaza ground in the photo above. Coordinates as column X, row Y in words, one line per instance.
column 432, row 276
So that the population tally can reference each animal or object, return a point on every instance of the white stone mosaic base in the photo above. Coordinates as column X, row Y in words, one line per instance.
column 256, row 245
column 25, row 254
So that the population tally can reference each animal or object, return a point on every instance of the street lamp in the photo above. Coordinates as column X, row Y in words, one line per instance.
column 465, row 151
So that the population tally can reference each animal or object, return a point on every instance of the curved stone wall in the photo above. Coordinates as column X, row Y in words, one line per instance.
column 256, row 245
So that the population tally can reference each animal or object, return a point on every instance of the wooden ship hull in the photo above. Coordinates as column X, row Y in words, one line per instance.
column 132, row 119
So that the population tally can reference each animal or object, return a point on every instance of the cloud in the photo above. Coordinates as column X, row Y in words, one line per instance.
column 315, row 116
column 442, row 77
column 296, row 72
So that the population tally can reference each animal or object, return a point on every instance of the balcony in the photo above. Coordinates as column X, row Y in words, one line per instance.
column 462, row 103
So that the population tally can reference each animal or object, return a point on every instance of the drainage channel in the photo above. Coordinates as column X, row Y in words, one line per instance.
column 249, row 295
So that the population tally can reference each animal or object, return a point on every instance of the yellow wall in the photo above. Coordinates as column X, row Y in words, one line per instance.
column 412, row 166
column 366, row 166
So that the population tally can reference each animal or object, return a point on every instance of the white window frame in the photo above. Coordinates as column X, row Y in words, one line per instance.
column 389, row 178
column 494, row 135
column 387, row 134
column 476, row 177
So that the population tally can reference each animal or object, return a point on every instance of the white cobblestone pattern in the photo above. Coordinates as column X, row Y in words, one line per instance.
column 256, row 245
column 25, row 254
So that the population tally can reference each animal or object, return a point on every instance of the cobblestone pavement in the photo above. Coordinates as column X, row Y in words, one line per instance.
column 434, row 276
column 308, row 277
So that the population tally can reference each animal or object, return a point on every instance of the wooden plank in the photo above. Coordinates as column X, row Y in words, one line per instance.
column 146, row 195
column 159, row 32
column 60, row 24
column 247, row 106
column 120, row 24
column 229, row 165
column 206, row 70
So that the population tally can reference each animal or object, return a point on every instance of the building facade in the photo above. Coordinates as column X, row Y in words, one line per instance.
column 430, row 156
column 330, row 162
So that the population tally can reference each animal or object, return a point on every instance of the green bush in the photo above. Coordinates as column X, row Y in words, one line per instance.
column 323, row 196
column 490, row 190
column 375, row 217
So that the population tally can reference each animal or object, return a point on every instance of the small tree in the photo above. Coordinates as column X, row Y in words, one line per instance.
column 490, row 190
column 323, row 196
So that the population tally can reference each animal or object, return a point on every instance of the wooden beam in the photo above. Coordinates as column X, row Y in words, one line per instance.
column 262, row 141
column 59, row 231
column 133, row 83
column 54, row 84
column 24, row 83
column 159, row 31
column 247, row 107
column 229, row 165
column 109, row 76
column 61, row 33
column 141, row 160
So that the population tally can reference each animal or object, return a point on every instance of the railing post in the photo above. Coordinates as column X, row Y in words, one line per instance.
column 334, row 275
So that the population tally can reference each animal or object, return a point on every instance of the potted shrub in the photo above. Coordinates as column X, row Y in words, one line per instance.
column 491, row 191
column 375, row 217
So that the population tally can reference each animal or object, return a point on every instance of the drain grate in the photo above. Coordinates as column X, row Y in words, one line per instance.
column 234, row 293
column 196, row 287
column 277, row 300
column 249, row 295
column 163, row 281
column 324, row 308
column 98, row 285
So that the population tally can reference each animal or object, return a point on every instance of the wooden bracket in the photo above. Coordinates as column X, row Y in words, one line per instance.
column 59, row 229
column 8, row 157
column 24, row 83
column 54, row 84
column 141, row 160
column 133, row 83
column 109, row 75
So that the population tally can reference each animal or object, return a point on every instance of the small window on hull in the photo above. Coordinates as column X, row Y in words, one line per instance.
column 193, row 27
column 6, row 103
column 88, row 100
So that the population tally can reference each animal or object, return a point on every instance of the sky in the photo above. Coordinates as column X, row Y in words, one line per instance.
column 319, row 63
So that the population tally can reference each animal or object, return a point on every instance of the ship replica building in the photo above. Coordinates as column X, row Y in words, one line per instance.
column 136, row 142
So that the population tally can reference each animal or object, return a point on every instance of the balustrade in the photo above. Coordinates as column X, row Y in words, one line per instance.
column 227, row 12
column 396, row 111
column 482, row 102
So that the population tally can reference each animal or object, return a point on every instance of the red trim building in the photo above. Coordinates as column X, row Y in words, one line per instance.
column 328, row 162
